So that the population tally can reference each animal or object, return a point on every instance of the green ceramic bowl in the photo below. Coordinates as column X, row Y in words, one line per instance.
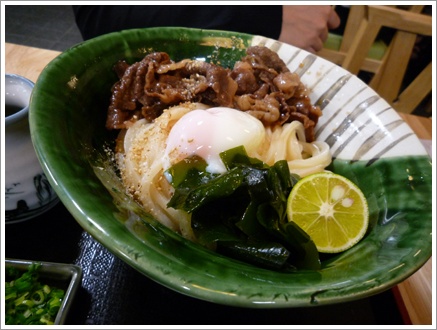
column 370, row 144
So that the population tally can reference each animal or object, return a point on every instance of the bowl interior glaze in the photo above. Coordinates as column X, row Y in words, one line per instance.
column 371, row 145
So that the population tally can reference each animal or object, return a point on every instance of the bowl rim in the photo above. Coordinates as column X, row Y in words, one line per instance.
column 17, row 116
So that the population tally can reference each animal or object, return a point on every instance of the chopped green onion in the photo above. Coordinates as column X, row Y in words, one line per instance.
column 53, row 305
column 46, row 319
column 11, row 295
column 28, row 301
column 38, row 297
column 20, row 299
column 39, row 311
column 26, row 304
column 27, row 313
column 46, row 289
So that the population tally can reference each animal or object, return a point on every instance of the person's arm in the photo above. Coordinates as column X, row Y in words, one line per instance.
column 307, row 27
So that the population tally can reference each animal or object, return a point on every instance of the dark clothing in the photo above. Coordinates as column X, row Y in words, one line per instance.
column 93, row 21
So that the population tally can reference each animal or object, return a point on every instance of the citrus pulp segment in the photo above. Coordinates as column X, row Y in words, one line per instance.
column 331, row 209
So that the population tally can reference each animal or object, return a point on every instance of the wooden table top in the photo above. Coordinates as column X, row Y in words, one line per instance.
column 415, row 293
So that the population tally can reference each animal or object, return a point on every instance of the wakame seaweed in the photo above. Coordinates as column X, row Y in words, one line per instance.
column 243, row 211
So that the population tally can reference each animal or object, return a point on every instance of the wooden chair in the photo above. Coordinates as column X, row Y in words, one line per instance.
column 337, row 54
column 362, row 28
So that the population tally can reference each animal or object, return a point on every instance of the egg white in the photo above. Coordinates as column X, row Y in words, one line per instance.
column 207, row 133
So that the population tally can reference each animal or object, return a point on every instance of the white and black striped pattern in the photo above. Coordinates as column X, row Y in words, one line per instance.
column 356, row 122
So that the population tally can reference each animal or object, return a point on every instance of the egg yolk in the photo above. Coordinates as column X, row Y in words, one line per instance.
column 207, row 133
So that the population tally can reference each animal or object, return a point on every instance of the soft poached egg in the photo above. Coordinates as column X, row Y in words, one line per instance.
column 207, row 133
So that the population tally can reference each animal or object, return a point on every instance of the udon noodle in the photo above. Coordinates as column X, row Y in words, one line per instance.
column 140, row 150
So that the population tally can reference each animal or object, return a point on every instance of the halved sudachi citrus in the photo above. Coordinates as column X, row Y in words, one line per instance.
column 331, row 209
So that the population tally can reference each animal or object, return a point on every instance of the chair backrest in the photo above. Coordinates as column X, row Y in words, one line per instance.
column 362, row 28
column 355, row 16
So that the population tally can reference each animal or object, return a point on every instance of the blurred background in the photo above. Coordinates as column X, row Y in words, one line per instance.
column 49, row 27
column 54, row 27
